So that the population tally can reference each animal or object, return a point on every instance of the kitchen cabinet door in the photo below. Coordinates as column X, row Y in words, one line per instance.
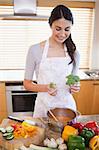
column 84, row 98
column 3, row 108
column 95, row 106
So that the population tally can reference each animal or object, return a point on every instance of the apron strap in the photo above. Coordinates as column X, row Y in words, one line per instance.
column 65, row 49
column 45, row 51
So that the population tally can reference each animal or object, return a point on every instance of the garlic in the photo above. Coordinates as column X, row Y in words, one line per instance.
column 46, row 141
column 59, row 141
column 62, row 147
column 52, row 143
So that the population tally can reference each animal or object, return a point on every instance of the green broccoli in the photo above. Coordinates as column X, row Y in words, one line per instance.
column 72, row 79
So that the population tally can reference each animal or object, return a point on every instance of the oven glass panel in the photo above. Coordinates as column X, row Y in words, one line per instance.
column 23, row 103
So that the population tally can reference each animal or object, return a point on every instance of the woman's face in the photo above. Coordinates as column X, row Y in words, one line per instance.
column 61, row 30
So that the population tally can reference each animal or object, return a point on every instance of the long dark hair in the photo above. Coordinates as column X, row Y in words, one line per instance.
column 59, row 12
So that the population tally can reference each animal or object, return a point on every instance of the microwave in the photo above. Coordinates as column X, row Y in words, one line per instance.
column 20, row 102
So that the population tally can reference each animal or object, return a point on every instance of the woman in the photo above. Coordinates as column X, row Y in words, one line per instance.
column 52, row 61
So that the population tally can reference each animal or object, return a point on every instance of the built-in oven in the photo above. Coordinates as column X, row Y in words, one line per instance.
column 20, row 102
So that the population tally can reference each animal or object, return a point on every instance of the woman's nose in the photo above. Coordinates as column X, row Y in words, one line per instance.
column 63, row 33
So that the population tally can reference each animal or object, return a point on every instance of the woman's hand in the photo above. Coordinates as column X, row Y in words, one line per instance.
column 75, row 88
column 52, row 90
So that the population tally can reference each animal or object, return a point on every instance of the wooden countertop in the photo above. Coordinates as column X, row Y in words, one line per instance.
column 15, row 143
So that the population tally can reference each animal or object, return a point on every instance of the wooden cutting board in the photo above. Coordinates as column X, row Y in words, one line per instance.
column 16, row 143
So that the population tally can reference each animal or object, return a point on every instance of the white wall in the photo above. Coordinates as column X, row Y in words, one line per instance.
column 95, row 49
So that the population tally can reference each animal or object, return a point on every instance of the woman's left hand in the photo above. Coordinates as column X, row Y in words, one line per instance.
column 74, row 88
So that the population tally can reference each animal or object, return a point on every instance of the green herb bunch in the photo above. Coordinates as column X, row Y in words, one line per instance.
column 72, row 79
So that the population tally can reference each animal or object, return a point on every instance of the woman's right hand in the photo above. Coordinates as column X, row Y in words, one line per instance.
column 75, row 88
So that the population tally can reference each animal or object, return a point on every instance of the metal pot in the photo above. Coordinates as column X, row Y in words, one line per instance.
column 64, row 115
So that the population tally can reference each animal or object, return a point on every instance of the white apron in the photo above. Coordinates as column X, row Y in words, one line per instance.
column 53, row 69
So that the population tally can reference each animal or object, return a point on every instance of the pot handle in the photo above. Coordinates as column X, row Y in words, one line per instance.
column 78, row 113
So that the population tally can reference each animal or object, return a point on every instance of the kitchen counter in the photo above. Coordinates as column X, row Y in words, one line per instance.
column 36, row 138
column 12, row 76
column 18, row 76
column 86, row 118
column 17, row 143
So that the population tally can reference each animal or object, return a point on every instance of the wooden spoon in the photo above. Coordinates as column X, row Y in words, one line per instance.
column 54, row 117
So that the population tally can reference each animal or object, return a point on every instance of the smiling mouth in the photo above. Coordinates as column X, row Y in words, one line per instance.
column 61, row 39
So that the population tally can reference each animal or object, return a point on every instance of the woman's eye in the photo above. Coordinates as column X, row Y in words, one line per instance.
column 67, row 29
column 58, row 29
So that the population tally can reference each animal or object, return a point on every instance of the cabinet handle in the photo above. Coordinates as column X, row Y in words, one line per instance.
column 95, row 83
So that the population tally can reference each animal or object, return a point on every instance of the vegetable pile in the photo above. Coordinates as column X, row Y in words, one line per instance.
column 18, row 130
column 79, row 136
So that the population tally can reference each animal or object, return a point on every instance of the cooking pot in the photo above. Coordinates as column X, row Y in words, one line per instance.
column 64, row 115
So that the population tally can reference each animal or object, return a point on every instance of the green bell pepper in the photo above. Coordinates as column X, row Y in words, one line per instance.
column 87, row 134
column 76, row 142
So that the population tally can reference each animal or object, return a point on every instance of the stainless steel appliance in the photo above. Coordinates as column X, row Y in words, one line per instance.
column 19, row 101
column 25, row 7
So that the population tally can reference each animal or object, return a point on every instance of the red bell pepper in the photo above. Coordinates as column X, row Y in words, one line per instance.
column 93, row 125
column 78, row 126
column 14, row 126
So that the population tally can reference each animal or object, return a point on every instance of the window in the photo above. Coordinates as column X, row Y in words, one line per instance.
column 16, row 36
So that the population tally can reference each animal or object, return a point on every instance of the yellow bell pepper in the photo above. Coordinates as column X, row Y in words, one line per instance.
column 69, row 130
column 25, row 130
column 94, row 143
column 28, row 127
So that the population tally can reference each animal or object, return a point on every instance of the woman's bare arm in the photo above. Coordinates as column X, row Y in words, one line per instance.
column 31, row 86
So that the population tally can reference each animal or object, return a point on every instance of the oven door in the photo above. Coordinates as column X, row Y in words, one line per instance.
column 21, row 103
